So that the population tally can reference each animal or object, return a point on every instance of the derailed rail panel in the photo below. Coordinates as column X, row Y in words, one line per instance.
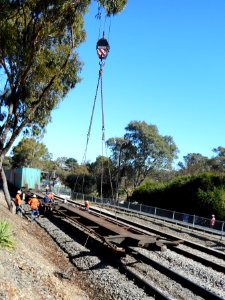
column 116, row 235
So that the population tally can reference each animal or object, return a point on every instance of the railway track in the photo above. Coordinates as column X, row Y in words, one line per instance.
column 147, row 225
column 154, row 277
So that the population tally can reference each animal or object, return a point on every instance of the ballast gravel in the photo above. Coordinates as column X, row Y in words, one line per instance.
column 114, row 284
column 208, row 278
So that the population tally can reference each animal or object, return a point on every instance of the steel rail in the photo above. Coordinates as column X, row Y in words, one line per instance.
column 137, row 276
column 185, row 282
column 208, row 263
column 193, row 245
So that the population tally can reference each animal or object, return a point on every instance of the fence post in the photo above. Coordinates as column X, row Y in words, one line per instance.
column 128, row 204
column 140, row 207
column 173, row 214
column 193, row 224
column 155, row 212
column 222, row 231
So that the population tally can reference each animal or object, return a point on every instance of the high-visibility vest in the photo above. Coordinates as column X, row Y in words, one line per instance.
column 87, row 204
column 34, row 203
column 18, row 200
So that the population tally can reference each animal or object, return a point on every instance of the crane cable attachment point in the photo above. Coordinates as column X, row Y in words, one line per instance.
column 102, row 48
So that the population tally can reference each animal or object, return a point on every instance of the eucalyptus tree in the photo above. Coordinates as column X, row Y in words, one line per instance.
column 120, row 168
column 71, row 164
column 39, row 64
column 30, row 153
column 194, row 163
column 143, row 151
column 217, row 163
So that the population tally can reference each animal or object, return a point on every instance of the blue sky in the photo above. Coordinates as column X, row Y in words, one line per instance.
column 166, row 67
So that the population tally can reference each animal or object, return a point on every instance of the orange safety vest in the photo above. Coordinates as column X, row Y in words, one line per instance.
column 18, row 200
column 34, row 203
column 87, row 204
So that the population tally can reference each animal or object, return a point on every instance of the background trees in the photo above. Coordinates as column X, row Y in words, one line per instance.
column 29, row 153
column 148, row 150
column 141, row 152
column 194, row 163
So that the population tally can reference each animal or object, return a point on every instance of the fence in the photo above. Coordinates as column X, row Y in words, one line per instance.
column 61, row 191
column 164, row 214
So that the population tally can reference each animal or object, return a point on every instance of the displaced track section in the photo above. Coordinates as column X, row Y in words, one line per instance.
column 128, row 244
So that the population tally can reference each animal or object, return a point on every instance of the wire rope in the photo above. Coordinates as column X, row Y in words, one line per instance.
column 99, row 17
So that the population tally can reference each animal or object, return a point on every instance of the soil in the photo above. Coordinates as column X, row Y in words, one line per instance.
column 36, row 268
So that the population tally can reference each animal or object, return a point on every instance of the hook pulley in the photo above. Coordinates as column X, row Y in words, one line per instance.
column 102, row 48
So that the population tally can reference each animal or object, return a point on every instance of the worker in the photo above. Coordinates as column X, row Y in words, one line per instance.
column 18, row 202
column 51, row 197
column 87, row 205
column 45, row 199
column 47, row 189
column 212, row 221
column 34, row 205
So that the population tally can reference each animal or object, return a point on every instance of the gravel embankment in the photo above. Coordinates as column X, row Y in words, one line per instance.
column 98, row 274
column 33, row 269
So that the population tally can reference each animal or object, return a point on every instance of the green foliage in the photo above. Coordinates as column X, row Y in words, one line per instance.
column 38, row 60
column 113, row 6
column 195, row 163
column 202, row 194
column 82, row 184
column 7, row 163
column 29, row 153
column 6, row 239
column 141, row 151
column 71, row 163
column 150, row 185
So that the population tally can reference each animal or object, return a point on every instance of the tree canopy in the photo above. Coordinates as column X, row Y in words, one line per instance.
column 29, row 153
column 39, row 64
column 142, row 150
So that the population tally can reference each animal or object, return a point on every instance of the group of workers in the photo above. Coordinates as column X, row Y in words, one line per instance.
column 34, row 203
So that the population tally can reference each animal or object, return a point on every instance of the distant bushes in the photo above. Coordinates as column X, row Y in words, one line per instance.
column 201, row 194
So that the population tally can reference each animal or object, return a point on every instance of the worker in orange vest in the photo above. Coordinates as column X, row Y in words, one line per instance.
column 34, row 205
column 18, row 202
column 87, row 205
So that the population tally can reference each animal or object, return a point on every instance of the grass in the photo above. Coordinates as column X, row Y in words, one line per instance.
column 6, row 238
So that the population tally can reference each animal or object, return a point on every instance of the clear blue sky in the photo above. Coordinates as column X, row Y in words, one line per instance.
column 166, row 67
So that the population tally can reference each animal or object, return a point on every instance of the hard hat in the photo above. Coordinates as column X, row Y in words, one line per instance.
column 213, row 215
column 34, row 196
column 19, row 192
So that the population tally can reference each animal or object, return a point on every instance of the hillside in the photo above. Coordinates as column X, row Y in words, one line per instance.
column 36, row 268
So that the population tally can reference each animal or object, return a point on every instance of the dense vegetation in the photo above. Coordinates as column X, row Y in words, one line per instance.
column 202, row 194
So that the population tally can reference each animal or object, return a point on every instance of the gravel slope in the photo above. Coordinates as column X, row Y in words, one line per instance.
column 35, row 268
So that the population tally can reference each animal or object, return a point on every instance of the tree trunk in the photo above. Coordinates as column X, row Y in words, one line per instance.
column 6, row 190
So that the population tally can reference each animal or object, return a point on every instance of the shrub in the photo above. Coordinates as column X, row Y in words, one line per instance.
column 201, row 194
column 6, row 239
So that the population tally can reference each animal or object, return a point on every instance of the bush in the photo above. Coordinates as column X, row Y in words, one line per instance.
column 202, row 194
column 6, row 239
